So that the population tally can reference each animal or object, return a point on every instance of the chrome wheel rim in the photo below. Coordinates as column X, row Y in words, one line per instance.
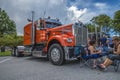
column 55, row 54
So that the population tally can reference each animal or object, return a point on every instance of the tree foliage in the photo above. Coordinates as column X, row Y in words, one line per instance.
column 91, row 27
column 102, row 20
column 116, row 21
column 7, row 26
column 11, row 40
column 8, row 35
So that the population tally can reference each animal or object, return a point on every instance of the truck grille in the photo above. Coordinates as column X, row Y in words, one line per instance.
column 80, row 33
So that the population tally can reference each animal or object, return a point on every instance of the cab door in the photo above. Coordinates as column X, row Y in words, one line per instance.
column 41, row 33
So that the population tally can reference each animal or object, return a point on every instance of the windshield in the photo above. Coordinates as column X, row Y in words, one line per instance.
column 52, row 25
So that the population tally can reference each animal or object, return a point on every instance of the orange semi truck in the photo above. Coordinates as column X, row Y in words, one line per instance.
column 49, row 38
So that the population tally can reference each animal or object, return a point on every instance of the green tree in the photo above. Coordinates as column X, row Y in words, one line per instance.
column 116, row 21
column 7, row 26
column 91, row 27
column 101, row 21
column 11, row 40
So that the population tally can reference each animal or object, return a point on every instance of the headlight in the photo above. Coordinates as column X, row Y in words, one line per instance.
column 69, row 40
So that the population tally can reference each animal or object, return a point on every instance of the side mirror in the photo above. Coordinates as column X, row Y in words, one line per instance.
column 40, row 25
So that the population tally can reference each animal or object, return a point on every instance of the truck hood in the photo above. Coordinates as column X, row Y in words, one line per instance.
column 63, row 28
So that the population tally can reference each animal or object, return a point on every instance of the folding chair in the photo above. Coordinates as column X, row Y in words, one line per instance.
column 116, row 64
column 87, row 58
column 85, row 61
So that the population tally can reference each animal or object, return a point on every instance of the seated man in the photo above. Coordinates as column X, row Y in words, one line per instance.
column 116, row 54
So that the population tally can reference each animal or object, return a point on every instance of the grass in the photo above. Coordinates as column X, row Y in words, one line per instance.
column 6, row 53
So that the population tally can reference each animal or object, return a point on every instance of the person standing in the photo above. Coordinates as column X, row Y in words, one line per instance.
column 103, row 40
column 110, row 43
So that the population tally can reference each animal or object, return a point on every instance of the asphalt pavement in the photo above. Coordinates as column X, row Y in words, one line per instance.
column 30, row 68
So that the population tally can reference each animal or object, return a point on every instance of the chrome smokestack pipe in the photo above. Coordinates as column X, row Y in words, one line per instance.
column 32, row 30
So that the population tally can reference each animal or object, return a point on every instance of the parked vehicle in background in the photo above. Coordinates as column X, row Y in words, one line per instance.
column 18, row 51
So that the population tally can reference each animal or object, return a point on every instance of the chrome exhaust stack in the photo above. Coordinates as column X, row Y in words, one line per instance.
column 32, row 30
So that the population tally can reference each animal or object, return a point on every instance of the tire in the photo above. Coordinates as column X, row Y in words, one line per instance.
column 16, row 53
column 56, row 54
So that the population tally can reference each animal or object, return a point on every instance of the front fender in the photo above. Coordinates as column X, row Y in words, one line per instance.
column 62, row 40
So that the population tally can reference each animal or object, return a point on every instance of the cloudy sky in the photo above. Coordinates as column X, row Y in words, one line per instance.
column 66, row 10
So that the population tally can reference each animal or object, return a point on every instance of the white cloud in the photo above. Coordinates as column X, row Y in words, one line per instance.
column 83, row 15
column 101, row 5
column 74, row 13
column 103, row 8
column 82, row 3
column 20, row 10
column 88, row 16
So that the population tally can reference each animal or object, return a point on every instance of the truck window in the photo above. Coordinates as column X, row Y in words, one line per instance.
column 52, row 25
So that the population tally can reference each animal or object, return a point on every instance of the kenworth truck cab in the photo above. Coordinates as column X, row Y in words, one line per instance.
column 49, row 38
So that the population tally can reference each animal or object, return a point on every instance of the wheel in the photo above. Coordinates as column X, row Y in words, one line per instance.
column 56, row 54
column 16, row 53
column 117, row 62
